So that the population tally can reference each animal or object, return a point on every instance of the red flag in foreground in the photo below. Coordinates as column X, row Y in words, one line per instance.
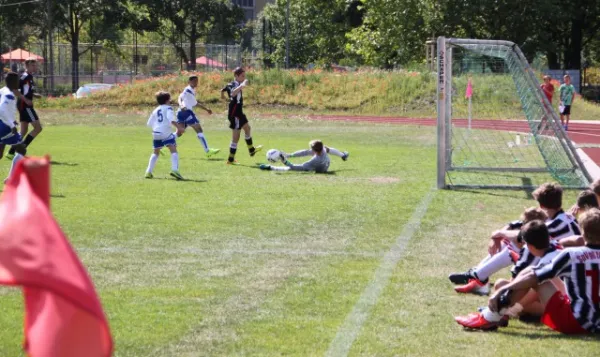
column 63, row 316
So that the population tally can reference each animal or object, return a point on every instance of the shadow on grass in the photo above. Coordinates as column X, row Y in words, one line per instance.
column 174, row 180
column 58, row 196
column 512, row 193
column 58, row 163
column 550, row 335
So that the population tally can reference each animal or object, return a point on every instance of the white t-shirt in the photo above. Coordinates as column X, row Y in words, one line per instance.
column 187, row 98
column 160, row 121
column 8, row 107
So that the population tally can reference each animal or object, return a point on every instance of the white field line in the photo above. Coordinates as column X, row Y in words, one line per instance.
column 240, row 251
column 349, row 330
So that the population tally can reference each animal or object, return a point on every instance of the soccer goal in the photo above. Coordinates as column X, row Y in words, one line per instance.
column 496, row 128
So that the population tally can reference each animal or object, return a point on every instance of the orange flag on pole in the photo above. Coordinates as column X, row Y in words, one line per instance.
column 63, row 315
column 469, row 91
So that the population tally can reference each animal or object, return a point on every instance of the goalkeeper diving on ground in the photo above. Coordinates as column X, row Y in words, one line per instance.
column 319, row 162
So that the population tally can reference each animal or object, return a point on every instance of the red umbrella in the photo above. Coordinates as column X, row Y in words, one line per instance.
column 20, row 55
column 209, row 62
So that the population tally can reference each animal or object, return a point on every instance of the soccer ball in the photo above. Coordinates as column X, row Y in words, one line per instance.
column 273, row 155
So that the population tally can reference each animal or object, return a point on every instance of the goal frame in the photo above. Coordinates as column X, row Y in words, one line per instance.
column 444, row 117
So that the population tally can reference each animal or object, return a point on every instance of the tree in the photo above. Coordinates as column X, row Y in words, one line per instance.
column 99, row 19
column 192, row 20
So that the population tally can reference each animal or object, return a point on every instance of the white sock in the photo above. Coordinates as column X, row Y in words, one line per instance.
column 203, row 141
column 493, row 265
column 490, row 315
column 280, row 168
column 152, row 163
column 16, row 159
column 174, row 161
column 336, row 152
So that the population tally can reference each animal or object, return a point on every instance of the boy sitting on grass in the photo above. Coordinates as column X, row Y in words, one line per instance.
column 319, row 163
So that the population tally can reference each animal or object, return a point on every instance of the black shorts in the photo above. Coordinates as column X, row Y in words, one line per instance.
column 238, row 121
column 567, row 110
column 28, row 115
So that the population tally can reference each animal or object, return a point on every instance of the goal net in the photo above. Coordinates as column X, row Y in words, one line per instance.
column 496, row 128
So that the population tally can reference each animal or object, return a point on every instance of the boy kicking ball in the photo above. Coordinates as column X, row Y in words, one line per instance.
column 319, row 162
column 8, row 110
column 160, row 121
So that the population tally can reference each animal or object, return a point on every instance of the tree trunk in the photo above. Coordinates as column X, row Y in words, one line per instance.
column 573, row 53
column 75, row 62
column 553, row 62
column 193, row 38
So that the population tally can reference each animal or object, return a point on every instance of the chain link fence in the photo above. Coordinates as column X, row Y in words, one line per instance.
column 122, row 63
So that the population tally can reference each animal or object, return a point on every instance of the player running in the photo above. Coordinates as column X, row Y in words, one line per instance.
column 8, row 111
column 186, row 117
column 577, row 311
column 319, row 162
column 160, row 121
column 237, row 119
column 27, row 113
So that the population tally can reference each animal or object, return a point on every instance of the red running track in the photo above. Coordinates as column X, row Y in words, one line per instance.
column 579, row 132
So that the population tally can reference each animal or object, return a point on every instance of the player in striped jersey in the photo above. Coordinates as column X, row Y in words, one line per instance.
column 560, row 225
column 577, row 311
column 540, row 251
column 186, row 117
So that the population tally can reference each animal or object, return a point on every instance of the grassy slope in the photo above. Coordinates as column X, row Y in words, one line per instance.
column 243, row 262
column 372, row 93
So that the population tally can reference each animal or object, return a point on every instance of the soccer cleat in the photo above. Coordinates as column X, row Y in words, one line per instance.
column 149, row 175
column 256, row 149
column 176, row 175
column 461, row 278
column 265, row 167
column 212, row 152
column 501, row 323
column 474, row 286
column 232, row 163
column 10, row 156
column 476, row 321
column 345, row 156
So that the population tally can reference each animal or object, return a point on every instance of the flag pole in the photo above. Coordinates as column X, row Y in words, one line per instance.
column 469, row 95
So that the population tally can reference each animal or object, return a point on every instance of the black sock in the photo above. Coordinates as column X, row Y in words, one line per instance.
column 28, row 140
column 12, row 150
column 232, row 154
column 250, row 145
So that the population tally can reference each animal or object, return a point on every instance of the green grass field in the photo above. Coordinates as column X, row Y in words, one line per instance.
column 236, row 261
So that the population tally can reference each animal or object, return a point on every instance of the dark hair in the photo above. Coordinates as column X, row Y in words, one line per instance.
column 238, row 70
column 587, row 199
column 12, row 80
column 590, row 225
column 595, row 186
column 191, row 78
column 163, row 97
column 535, row 233
column 30, row 61
column 549, row 195
column 316, row 145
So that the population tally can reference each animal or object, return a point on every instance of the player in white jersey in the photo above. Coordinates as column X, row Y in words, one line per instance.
column 8, row 111
column 560, row 225
column 577, row 311
column 161, row 121
column 186, row 117
column 540, row 252
column 319, row 162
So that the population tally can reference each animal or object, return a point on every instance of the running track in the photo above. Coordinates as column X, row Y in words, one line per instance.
column 585, row 134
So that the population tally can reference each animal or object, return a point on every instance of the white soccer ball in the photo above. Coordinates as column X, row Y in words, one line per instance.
column 273, row 155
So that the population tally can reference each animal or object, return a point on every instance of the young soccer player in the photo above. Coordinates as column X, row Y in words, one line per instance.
column 186, row 117
column 560, row 225
column 586, row 200
column 237, row 119
column 8, row 111
column 318, row 163
column 27, row 113
column 160, row 121
column 540, row 251
column 567, row 96
column 577, row 311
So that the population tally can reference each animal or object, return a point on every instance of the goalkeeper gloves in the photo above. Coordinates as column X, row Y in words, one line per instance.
column 265, row 167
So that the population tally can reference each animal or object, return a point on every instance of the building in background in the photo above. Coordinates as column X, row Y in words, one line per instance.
column 252, row 7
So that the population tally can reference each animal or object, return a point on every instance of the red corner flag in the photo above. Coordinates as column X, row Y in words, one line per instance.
column 469, row 91
column 63, row 316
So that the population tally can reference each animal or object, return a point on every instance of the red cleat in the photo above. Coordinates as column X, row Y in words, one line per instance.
column 474, row 286
column 476, row 321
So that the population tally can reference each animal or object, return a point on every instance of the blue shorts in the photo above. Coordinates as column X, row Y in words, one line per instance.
column 160, row 143
column 187, row 117
column 7, row 137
